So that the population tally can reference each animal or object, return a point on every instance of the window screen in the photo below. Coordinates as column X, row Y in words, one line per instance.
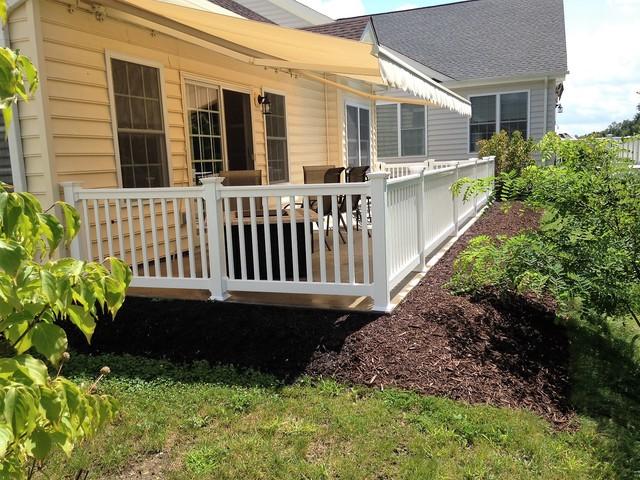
column 141, row 136
column 412, row 130
column 513, row 112
column 277, row 152
column 387, row 120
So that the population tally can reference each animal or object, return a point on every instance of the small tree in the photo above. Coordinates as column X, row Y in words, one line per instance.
column 40, row 411
column 513, row 153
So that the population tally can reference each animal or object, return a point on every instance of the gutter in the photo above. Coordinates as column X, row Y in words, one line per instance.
column 14, row 137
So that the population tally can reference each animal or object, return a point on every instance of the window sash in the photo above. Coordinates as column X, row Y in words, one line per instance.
column 277, row 142
column 140, row 125
column 504, row 117
column 402, row 135
column 358, row 126
column 205, row 129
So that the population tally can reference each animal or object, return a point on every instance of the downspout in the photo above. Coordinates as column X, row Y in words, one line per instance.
column 14, row 138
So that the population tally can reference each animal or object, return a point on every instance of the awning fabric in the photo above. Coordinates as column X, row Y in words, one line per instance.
column 268, row 45
column 413, row 82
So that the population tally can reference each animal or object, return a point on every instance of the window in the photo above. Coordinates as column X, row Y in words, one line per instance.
column 277, row 152
column 5, row 159
column 358, row 136
column 409, row 139
column 140, row 124
column 493, row 113
column 205, row 135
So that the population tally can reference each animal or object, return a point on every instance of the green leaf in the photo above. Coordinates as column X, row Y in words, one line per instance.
column 49, row 286
column 51, row 229
column 49, row 340
column 42, row 443
column 12, row 254
column 51, row 404
column 83, row 320
column 35, row 369
column 6, row 437
column 71, row 220
column 18, row 336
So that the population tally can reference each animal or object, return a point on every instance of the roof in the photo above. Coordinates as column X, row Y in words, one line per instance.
column 472, row 39
column 351, row 28
column 241, row 10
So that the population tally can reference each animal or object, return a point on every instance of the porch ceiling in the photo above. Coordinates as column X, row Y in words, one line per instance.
column 267, row 45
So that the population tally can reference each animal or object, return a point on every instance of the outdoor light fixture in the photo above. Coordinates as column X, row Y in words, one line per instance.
column 265, row 103
column 559, row 107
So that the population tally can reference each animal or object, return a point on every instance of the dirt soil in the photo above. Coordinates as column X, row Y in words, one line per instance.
column 475, row 350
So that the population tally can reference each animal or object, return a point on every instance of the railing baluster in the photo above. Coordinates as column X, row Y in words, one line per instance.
column 120, row 230
column 132, row 239
column 254, row 238
column 281, row 266
column 176, row 219
column 321, row 239
column 243, row 251
column 154, row 237
column 143, row 237
column 96, row 216
column 167, row 244
column 365, row 240
column 308, row 239
column 267, row 238
column 202, row 239
column 192, row 250
column 349, row 222
column 107, row 221
column 229, row 231
column 295, row 265
column 87, row 231
column 335, row 232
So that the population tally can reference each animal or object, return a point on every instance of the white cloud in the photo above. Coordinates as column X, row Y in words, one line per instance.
column 604, row 66
column 337, row 8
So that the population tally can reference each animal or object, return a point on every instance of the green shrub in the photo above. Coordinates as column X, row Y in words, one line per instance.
column 513, row 153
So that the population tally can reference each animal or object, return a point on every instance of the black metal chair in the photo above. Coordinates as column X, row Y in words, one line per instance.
column 354, row 175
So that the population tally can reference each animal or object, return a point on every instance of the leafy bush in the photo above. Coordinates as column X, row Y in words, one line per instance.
column 513, row 153
column 586, row 253
column 37, row 291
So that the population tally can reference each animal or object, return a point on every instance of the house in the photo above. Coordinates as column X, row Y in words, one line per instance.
column 508, row 58
column 143, row 102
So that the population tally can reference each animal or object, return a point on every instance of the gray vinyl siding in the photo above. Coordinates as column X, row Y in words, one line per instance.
column 448, row 132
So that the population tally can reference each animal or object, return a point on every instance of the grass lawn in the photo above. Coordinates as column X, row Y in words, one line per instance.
column 199, row 422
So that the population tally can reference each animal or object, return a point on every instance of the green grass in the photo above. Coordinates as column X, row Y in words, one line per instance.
column 220, row 423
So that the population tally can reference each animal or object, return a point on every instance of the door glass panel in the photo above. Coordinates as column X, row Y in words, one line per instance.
column 353, row 142
column 238, row 130
column 364, row 137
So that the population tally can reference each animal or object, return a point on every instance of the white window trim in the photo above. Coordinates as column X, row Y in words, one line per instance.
column 359, row 106
column 399, row 133
column 498, row 94
column 267, row 91
column 109, row 55
column 221, row 85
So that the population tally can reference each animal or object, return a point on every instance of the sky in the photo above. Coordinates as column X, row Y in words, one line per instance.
column 603, row 48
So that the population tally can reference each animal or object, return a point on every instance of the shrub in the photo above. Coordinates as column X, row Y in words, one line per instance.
column 513, row 153
column 586, row 253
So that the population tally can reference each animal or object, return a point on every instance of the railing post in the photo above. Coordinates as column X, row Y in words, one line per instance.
column 475, row 176
column 69, row 191
column 422, row 201
column 456, row 221
column 215, row 238
column 381, row 291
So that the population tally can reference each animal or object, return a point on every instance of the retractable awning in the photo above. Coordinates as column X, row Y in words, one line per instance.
column 268, row 45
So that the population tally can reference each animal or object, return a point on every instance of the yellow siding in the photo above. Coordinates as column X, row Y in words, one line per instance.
column 74, row 50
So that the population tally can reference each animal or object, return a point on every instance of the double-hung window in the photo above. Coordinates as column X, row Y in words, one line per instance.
column 401, row 130
column 205, row 133
column 358, row 136
column 140, row 125
column 493, row 113
column 277, row 151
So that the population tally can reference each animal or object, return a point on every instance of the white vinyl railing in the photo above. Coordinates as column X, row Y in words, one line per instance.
column 351, row 239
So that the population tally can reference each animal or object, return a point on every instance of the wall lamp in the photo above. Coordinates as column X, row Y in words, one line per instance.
column 265, row 103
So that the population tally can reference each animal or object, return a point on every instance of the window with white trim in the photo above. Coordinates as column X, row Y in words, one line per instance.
column 401, row 130
column 358, row 136
column 276, row 127
column 493, row 113
column 140, row 125
column 205, row 133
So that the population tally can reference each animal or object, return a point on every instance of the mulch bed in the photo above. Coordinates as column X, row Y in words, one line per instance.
column 486, row 350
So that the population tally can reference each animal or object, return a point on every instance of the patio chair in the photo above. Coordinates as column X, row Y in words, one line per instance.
column 239, row 178
column 354, row 175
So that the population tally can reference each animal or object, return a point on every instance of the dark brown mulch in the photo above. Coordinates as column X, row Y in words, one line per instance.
column 488, row 350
